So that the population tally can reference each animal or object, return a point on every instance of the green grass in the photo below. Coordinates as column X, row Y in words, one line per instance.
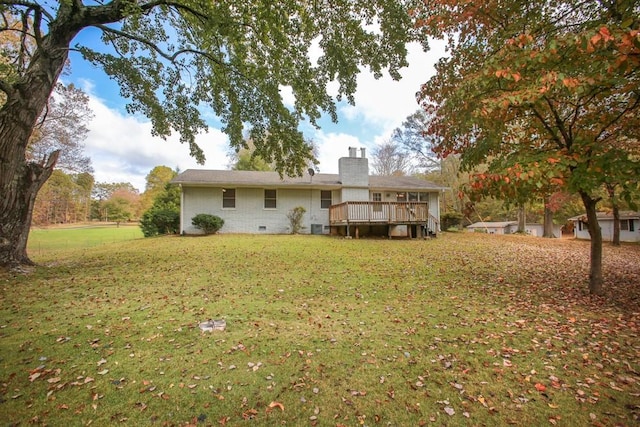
column 55, row 239
column 337, row 332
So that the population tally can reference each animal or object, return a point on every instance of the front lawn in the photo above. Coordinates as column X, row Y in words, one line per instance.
column 465, row 329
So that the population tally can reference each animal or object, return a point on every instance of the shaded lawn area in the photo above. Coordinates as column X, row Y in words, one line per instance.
column 466, row 329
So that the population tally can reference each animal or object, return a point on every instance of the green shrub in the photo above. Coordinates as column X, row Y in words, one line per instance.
column 163, row 217
column 155, row 222
column 295, row 219
column 209, row 224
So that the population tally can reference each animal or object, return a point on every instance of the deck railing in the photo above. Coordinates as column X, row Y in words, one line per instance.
column 379, row 212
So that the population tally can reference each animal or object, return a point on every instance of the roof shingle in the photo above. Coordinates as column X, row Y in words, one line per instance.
column 216, row 178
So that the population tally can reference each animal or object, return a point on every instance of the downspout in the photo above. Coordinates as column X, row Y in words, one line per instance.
column 181, row 209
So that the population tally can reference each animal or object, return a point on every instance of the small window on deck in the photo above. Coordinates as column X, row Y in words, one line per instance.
column 229, row 198
column 377, row 197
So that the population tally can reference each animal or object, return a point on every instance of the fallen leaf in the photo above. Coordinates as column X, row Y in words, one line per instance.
column 449, row 410
column 540, row 387
column 249, row 414
column 273, row 405
column 482, row 400
column 103, row 372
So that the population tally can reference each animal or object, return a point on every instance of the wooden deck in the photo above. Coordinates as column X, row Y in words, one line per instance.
column 383, row 213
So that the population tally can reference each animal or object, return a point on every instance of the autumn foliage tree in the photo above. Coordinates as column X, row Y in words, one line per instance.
column 156, row 181
column 174, row 59
column 553, row 79
column 64, row 198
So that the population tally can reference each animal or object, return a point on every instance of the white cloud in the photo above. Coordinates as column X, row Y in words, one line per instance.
column 122, row 148
column 385, row 103
column 331, row 147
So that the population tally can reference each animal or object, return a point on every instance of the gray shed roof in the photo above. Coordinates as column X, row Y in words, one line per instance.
column 219, row 178
column 608, row 216
column 488, row 224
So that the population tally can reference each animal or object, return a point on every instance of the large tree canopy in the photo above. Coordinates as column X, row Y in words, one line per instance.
column 175, row 59
column 526, row 80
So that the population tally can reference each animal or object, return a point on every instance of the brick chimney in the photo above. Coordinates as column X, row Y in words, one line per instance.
column 353, row 173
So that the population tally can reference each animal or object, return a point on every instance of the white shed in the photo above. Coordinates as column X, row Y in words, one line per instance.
column 504, row 227
column 629, row 226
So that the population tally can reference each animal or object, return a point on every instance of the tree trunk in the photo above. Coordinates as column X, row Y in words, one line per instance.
column 20, row 180
column 616, row 225
column 616, row 215
column 548, row 220
column 17, row 209
column 522, row 219
column 595, row 269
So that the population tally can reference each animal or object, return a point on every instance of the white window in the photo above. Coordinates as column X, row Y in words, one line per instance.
column 627, row 225
column 325, row 199
column 229, row 198
column 377, row 197
column 270, row 201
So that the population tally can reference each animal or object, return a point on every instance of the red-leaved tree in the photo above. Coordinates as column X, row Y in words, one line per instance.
column 540, row 79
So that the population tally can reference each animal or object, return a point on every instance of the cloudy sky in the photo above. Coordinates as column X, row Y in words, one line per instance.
column 122, row 148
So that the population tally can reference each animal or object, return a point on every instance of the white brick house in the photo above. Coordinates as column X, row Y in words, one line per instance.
column 350, row 202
